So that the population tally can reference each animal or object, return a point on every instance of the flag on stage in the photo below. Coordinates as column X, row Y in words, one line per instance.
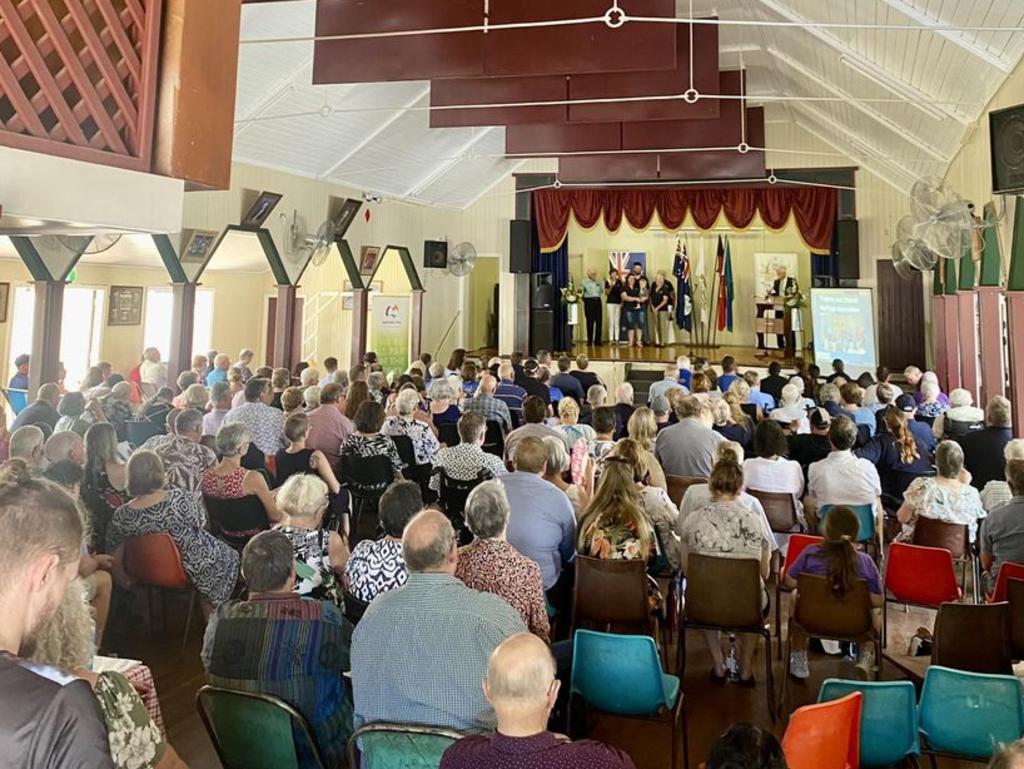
column 684, row 304
column 700, row 288
column 622, row 261
column 720, row 277
column 728, row 284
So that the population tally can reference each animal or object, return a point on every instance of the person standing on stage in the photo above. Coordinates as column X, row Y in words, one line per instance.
column 592, row 292
column 786, row 287
column 634, row 299
column 613, row 288
column 662, row 300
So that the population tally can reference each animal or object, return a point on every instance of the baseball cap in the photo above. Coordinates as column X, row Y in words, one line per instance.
column 530, row 365
column 659, row 404
column 906, row 404
column 819, row 418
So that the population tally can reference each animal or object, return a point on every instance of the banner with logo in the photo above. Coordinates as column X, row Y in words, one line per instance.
column 390, row 326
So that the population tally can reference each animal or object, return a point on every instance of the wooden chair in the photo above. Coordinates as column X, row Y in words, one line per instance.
column 448, row 434
column 612, row 596
column 420, row 474
column 725, row 594
column 929, row 532
column 973, row 637
column 678, row 484
column 780, row 509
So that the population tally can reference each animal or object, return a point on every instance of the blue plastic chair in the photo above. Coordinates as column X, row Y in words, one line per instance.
column 967, row 715
column 865, row 517
column 18, row 399
column 888, row 720
column 621, row 675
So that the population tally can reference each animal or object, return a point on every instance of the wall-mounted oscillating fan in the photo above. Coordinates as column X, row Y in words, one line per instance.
column 461, row 259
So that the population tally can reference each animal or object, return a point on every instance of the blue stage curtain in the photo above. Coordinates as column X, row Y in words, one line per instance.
column 557, row 263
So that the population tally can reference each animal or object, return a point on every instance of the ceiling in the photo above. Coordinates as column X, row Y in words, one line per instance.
column 897, row 101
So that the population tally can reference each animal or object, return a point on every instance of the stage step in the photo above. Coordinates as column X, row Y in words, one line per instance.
column 642, row 379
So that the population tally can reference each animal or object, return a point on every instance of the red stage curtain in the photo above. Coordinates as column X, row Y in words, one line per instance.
column 813, row 209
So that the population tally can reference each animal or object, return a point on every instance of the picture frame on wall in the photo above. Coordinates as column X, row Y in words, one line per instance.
column 369, row 256
column 5, row 299
column 197, row 248
column 125, row 307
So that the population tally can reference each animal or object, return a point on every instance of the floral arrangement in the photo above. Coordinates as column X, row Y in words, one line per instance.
column 571, row 294
column 796, row 300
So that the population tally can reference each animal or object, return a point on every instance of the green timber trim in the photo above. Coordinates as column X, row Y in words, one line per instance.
column 968, row 273
column 937, row 288
column 348, row 261
column 169, row 256
column 34, row 262
column 991, row 257
column 950, row 279
column 1015, row 282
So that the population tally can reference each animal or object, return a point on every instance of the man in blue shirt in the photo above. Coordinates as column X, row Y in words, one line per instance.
column 760, row 399
column 509, row 392
column 593, row 290
column 729, row 374
column 20, row 379
column 566, row 382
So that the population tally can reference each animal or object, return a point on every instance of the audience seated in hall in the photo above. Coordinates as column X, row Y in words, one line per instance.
column 467, row 460
column 960, row 418
column 903, row 450
column 670, row 381
column 281, row 644
column 264, row 422
column 569, row 418
column 730, row 422
column 1002, row 533
column 28, row 444
column 624, row 408
column 769, row 470
column 430, row 676
column 103, row 490
column 424, row 442
column 808, row 448
column 377, row 566
column 534, row 414
column 66, row 446
column 484, row 403
column 156, row 408
column 444, row 402
column 185, row 460
column 757, row 396
column 490, row 564
column 556, row 469
column 983, row 449
column 947, row 496
column 570, row 386
column 228, row 479
column 522, row 688
column 998, row 493
column 42, row 411
column 76, row 414
column 686, row 448
column 510, row 393
column 298, row 458
column 367, row 441
column 642, row 428
column 662, row 411
column 597, row 396
column 841, row 478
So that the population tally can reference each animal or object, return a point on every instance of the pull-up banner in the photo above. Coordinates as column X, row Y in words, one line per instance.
column 389, row 332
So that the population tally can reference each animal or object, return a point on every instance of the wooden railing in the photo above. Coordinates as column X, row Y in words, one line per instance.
column 78, row 78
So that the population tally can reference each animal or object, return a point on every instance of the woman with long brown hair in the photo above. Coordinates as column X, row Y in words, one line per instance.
column 358, row 394
column 903, row 450
column 615, row 525
column 838, row 560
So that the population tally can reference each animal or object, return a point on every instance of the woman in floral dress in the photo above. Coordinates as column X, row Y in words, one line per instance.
column 614, row 525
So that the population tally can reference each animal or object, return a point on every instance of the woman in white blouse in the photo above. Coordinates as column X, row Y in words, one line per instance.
column 947, row 497
column 770, row 471
column 997, row 493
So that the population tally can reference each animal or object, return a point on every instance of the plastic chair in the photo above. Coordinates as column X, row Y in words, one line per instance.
column 142, row 430
column 929, row 532
column 417, row 473
column 796, row 545
column 366, row 478
column 678, row 484
column 154, row 562
column 383, row 745
column 966, row 715
column 452, row 497
column 354, row 608
column 1015, row 597
column 622, row 675
column 494, row 438
column 612, row 595
column 780, row 509
column 448, row 434
column 868, row 528
column 973, row 637
column 236, row 520
column 726, row 594
column 918, row 576
column 256, row 731
column 1007, row 571
column 17, row 399
column 888, row 718
column 825, row 736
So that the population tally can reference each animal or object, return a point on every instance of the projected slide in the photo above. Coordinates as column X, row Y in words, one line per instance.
column 844, row 327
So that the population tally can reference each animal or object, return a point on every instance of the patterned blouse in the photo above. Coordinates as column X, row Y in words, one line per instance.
column 615, row 543
column 135, row 741
column 311, row 549
column 494, row 566
column 185, row 461
column 464, row 463
column 228, row 486
column 118, row 412
column 375, row 567
column 424, row 443
column 950, row 504
column 725, row 529
column 211, row 565
column 366, row 446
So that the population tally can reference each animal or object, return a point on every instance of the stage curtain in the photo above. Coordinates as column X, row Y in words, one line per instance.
column 557, row 263
column 813, row 210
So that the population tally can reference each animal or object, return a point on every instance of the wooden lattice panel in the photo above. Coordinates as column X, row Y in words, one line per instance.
column 78, row 78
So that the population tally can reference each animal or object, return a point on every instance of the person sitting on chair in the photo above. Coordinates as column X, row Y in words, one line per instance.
column 467, row 460
column 522, row 688
column 746, row 746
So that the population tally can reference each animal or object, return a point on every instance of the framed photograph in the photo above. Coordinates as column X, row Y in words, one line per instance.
column 261, row 209
column 125, row 306
column 369, row 256
column 197, row 247
column 346, row 302
column 377, row 285
column 5, row 298
column 344, row 215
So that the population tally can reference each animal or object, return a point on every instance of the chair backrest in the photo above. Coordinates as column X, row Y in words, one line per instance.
column 405, row 450
column 610, row 592
column 140, row 431
column 618, row 673
column 366, row 476
column 448, row 433
column 1015, row 597
column 865, row 517
column 958, row 428
column 797, row 544
column 354, row 608
column 780, row 509
column 399, row 746
column 750, row 409
column 921, row 575
column 822, row 614
column 888, row 718
column 930, row 532
column 724, row 592
column 154, row 559
column 494, row 438
column 1007, row 571
column 896, row 482
column 969, row 714
column 825, row 736
column 256, row 731
column 18, row 400
column 926, row 419
column 453, row 492
column 973, row 637
column 678, row 484
column 236, row 520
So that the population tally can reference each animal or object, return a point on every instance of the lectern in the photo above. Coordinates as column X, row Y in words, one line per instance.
column 772, row 322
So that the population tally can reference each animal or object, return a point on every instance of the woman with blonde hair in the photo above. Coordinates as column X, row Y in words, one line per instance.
column 195, row 397
column 554, row 473
column 642, row 427
column 569, row 414
column 65, row 642
column 614, row 525
column 303, row 501
column 730, row 421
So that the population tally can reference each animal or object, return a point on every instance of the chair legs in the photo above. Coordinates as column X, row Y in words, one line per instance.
column 768, row 674
column 188, row 619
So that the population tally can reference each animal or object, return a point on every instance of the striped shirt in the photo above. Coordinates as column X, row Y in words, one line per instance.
column 492, row 409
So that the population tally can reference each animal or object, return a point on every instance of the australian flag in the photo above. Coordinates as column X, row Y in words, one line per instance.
column 684, row 304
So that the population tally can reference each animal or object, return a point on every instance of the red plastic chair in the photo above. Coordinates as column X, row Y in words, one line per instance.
column 153, row 561
column 1007, row 571
column 918, row 576
column 797, row 544
column 825, row 736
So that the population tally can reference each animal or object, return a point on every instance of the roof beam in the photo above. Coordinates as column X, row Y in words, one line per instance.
column 878, row 117
column 358, row 147
column 273, row 95
column 446, row 165
column 929, row 24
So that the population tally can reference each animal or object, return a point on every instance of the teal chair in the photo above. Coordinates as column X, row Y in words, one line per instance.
column 888, row 720
column 18, row 400
column 621, row 675
column 967, row 715
column 256, row 731
column 866, row 517
column 382, row 745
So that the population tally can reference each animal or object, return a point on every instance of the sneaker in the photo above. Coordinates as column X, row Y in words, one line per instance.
column 798, row 665
column 866, row 664
column 831, row 647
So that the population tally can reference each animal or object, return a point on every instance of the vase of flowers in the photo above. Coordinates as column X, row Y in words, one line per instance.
column 571, row 298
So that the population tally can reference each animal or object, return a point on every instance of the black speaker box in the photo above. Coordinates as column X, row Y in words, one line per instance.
column 1006, row 132
column 542, row 330
column 520, row 251
column 848, row 249
column 435, row 254
column 542, row 292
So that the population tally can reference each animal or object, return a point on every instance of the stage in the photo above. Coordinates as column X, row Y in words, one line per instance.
column 746, row 357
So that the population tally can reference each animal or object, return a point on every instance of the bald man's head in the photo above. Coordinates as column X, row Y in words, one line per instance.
column 488, row 384
column 521, row 683
column 65, row 445
column 429, row 543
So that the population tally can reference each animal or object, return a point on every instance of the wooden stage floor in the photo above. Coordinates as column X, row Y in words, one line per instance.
column 745, row 356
